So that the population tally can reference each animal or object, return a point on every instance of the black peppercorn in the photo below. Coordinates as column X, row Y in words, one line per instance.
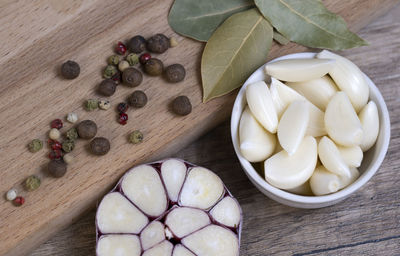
column 153, row 67
column 100, row 146
column 175, row 73
column 137, row 44
column 87, row 129
column 70, row 69
column 182, row 106
column 107, row 87
column 158, row 43
column 137, row 99
column 57, row 168
column 132, row 77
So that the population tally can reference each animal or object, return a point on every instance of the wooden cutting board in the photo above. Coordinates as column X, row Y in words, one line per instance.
column 37, row 36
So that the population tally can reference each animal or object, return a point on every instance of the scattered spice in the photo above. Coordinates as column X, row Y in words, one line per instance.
column 182, row 106
column 107, row 87
column 153, row 67
column 158, row 43
column 175, row 73
column 11, row 194
column 113, row 60
column 144, row 58
column 56, row 123
column 72, row 134
column 35, row 145
column 123, row 65
column 132, row 77
column 173, row 42
column 54, row 134
column 68, row 145
column 109, row 71
column 104, row 104
column 123, row 118
column 132, row 59
column 87, row 129
column 122, row 107
column 19, row 200
column 32, row 183
column 121, row 48
column 72, row 117
column 91, row 104
column 55, row 145
column 70, row 69
column 100, row 146
column 57, row 168
column 136, row 137
column 117, row 78
column 68, row 158
column 55, row 154
column 137, row 99
column 137, row 44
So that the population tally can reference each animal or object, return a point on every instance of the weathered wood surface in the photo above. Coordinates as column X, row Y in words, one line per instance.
column 37, row 36
column 367, row 223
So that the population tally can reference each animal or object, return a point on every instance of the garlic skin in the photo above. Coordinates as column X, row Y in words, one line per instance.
column 292, row 126
column 341, row 121
column 261, row 105
column 369, row 119
column 298, row 70
column 324, row 182
column 287, row 172
column 346, row 181
column 318, row 91
column 330, row 157
column 352, row 156
column 256, row 143
column 349, row 78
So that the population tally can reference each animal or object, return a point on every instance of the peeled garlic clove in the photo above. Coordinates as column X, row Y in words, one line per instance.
column 352, row 156
column 261, row 105
column 318, row 91
column 324, row 182
column 349, row 78
column 118, row 245
column 346, row 181
column 369, row 119
column 341, row 121
column 316, row 123
column 304, row 189
column 293, row 125
column 256, row 143
column 330, row 157
column 287, row 172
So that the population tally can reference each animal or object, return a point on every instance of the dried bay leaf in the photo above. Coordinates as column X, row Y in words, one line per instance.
column 198, row 19
column 309, row 23
column 280, row 38
column 238, row 47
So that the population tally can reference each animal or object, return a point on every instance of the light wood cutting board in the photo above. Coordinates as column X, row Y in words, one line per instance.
column 37, row 36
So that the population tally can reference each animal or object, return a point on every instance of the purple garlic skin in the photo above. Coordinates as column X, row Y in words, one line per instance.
column 169, row 208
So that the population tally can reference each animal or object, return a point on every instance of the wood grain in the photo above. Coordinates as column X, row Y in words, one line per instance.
column 40, row 36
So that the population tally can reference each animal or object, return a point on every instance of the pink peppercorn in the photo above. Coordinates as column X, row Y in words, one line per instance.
column 19, row 200
column 56, row 123
column 121, row 48
column 56, row 145
column 123, row 118
column 144, row 58
column 122, row 107
column 55, row 154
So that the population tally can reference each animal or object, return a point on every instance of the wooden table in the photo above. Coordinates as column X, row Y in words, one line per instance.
column 367, row 223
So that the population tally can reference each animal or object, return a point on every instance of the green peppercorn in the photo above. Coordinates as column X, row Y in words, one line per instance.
column 109, row 71
column 68, row 145
column 113, row 60
column 153, row 67
column 136, row 137
column 35, row 145
column 32, row 183
column 132, row 59
column 91, row 104
column 72, row 134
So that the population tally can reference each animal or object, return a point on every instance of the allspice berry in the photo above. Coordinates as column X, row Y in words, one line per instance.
column 70, row 69
column 158, row 43
column 87, row 129
column 153, row 67
column 107, row 87
column 132, row 77
column 175, row 73
column 137, row 44
column 182, row 106
column 57, row 168
column 137, row 99
column 100, row 146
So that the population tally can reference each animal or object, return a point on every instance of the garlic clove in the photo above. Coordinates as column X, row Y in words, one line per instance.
column 292, row 126
column 341, row 121
column 173, row 173
column 330, row 157
column 261, row 105
column 227, row 212
column 153, row 234
column 345, row 181
column 118, row 245
column 287, row 172
column 162, row 249
column 352, row 156
column 304, row 189
column 318, row 91
column 256, row 143
column 369, row 119
column 298, row 70
column 349, row 78
column 324, row 182
column 180, row 250
column 316, row 123
column 183, row 221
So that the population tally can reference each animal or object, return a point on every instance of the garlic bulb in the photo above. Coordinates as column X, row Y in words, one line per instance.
column 369, row 119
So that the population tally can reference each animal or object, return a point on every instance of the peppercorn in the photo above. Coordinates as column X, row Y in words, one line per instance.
column 109, row 71
column 132, row 77
column 132, row 59
column 104, row 104
column 153, row 67
column 68, row 158
column 107, row 87
column 54, row 134
column 158, row 43
column 137, row 99
column 123, row 65
column 173, row 42
column 87, row 129
column 11, row 194
column 113, row 60
column 72, row 117
column 32, row 183
column 55, row 154
column 72, row 134
column 175, row 73
column 70, row 69
column 117, row 77
column 136, row 137
column 137, row 44
column 122, row 118
column 57, row 168
column 91, row 104
column 182, row 106
column 100, row 146
column 35, row 145
column 55, row 145
column 144, row 58
column 19, row 200
column 120, row 48
column 68, row 145
column 122, row 107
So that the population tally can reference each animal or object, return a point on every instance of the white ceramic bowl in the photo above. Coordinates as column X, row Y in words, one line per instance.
column 370, row 164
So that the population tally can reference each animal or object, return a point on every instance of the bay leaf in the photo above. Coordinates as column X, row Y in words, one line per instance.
column 238, row 47
column 309, row 23
column 280, row 38
column 198, row 19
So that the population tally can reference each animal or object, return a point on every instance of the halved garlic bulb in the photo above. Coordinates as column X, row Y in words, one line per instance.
column 324, row 182
column 298, row 70
column 349, row 78
column 330, row 157
column 261, row 105
column 256, row 143
column 352, row 156
column 369, row 119
column 341, row 121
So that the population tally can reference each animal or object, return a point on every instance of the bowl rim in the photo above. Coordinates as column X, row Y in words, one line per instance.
column 341, row 194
